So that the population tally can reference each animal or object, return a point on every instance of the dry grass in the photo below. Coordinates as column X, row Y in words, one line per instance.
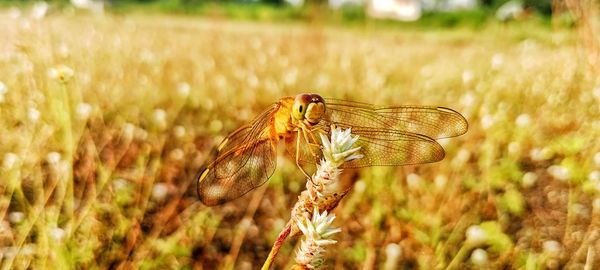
column 97, row 171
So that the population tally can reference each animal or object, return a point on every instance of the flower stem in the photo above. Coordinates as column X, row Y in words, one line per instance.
column 285, row 232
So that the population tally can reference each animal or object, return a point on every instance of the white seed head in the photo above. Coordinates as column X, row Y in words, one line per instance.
column 497, row 61
column 33, row 115
column 83, row 110
column 594, row 176
column 9, row 160
column 523, row 120
column 514, row 148
column 160, row 118
column 39, row 10
column 177, row 154
column 393, row 252
column 551, row 247
column 316, row 232
column 183, row 89
column 179, row 131
column 414, row 181
column 479, row 257
column 487, row 121
column 128, row 130
column 468, row 99
column 360, row 186
column 529, row 179
column 542, row 154
column 440, row 181
column 16, row 217
column 14, row 13
column 120, row 184
column 467, row 76
column 53, row 158
column 476, row 235
column 3, row 88
column 57, row 234
column 559, row 172
column 159, row 191
column 596, row 205
column 61, row 73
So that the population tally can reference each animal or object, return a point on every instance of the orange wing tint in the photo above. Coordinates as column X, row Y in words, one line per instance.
column 392, row 136
column 245, row 160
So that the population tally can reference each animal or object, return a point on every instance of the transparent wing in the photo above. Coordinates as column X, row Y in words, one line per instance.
column 382, row 147
column 244, row 161
column 433, row 122
column 391, row 136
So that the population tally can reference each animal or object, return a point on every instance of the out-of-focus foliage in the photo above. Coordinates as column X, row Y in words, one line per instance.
column 105, row 121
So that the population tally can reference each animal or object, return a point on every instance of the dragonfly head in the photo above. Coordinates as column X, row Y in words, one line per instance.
column 309, row 107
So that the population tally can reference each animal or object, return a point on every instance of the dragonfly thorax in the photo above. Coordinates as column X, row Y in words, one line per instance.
column 309, row 108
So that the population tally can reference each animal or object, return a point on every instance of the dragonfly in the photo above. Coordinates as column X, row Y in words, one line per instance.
column 388, row 136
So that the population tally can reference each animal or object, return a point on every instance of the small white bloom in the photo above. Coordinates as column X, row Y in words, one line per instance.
column 497, row 61
column 476, row 235
column 10, row 159
column 538, row 154
column 479, row 257
column 393, row 252
column 128, row 130
column 120, row 184
column 414, row 181
column 3, row 88
column 514, row 148
column 596, row 92
column 177, row 154
column 179, row 131
column 33, row 114
column 340, row 148
column 596, row 205
column 523, row 120
column 440, row 181
column 28, row 250
column 83, row 110
column 551, row 247
column 594, row 176
column 487, row 121
column 160, row 191
column 57, row 234
column 39, row 10
column 16, row 217
column 53, row 158
column 467, row 76
column 183, row 89
column 529, row 179
column 61, row 73
column 14, row 13
column 468, row 99
column 559, row 172
column 160, row 118
column 360, row 186
column 461, row 158
column 316, row 232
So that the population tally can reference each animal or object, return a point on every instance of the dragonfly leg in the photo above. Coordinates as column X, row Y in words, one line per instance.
column 298, row 158
column 306, row 138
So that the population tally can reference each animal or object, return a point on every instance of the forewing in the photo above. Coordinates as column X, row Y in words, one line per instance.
column 383, row 147
column 245, row 160
column 433, row 122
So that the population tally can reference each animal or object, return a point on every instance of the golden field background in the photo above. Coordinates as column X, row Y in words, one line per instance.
column 98, row 166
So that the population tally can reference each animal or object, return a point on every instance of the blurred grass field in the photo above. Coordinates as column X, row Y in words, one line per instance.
column 106, row 120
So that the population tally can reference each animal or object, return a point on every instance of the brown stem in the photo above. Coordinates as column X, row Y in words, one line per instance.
column 285, row 232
